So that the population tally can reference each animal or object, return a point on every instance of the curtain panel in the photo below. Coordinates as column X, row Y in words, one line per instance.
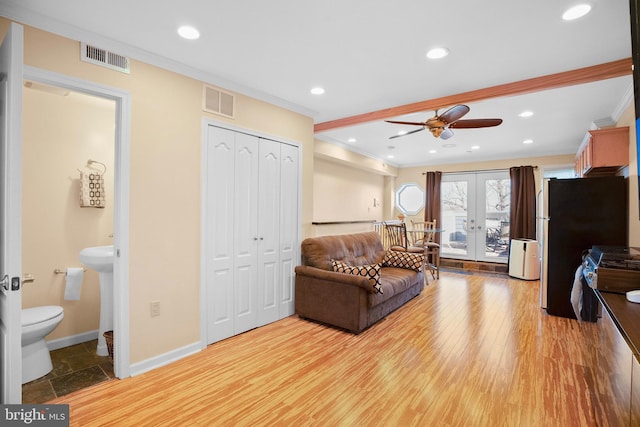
column 432, row 202
column 523, row 203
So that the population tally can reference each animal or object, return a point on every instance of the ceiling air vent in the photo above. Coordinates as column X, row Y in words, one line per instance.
column 217, row 101
column 104, row 58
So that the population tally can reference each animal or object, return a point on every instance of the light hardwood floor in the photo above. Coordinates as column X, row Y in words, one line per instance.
column 471, row 350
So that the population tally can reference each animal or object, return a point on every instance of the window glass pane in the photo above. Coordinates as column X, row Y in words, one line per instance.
column 497, row 201
column 410, row 199
column 454, row 216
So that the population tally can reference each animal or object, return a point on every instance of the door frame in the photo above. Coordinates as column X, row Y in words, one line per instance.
column 122, row 98
column 206, row 122
column 476, row 212
column 11, row 127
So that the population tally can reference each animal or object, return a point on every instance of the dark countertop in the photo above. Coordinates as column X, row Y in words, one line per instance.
column 625, row 315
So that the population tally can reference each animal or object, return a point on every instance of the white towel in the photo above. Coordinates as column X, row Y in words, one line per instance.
column 576, row 293
column 74, row 282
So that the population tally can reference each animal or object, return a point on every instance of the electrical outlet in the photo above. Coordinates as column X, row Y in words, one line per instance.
column 155, row 308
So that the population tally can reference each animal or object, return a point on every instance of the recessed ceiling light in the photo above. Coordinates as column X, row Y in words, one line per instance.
column 526, row 114
column 188, row 32
column 390, row 156
column 576, row 12
column 475, row 147
column 351, row 140
column 402, row 132
column 437, row 53
column 317, row 90
column 528, row 141
column 432, row 151
column 449, row 145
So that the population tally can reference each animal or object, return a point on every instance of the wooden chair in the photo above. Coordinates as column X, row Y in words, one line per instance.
column 423, row 237
column 397, row 238
column 398, row 241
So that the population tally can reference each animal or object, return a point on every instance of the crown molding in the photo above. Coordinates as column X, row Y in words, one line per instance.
column 624, row 103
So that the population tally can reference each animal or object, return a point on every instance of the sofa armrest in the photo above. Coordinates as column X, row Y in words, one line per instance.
column 338, row 299
column 332, row 276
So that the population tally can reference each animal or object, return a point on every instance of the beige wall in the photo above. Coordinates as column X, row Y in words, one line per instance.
column 345, row 193
column 164, row 252
column 60, row 134
column 345, row 185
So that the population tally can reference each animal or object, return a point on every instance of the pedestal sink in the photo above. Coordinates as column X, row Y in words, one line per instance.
column 100, row 259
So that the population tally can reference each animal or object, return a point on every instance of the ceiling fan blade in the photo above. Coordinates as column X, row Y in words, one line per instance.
column 446, row 134
column 454, row 113
column 408, row 133
column 405, row 123
column 475, row 123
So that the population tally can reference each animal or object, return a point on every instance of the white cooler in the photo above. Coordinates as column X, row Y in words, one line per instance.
column 524, row 261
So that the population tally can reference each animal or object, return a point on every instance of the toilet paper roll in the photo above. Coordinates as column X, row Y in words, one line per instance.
column 74, row 283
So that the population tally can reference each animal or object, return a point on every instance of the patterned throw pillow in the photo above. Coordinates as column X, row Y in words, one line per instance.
column 408, row 260
column 372, row 272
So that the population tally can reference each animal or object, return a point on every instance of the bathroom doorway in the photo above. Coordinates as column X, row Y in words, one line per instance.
column 70, row 126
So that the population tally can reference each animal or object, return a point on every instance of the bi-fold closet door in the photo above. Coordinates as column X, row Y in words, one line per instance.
column 251, row 231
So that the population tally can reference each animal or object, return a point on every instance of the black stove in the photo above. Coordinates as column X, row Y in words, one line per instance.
column 612, row 268
column 619, row 257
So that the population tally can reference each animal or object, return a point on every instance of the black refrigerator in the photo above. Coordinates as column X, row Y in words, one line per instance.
column 576, row 215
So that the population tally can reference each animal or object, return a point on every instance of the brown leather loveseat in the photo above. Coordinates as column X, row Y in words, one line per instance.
column 350, row 301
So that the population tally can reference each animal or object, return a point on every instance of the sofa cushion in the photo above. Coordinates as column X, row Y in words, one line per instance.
column 408, row 260
column 394, row 281
column 352, row 249
column 372, row 272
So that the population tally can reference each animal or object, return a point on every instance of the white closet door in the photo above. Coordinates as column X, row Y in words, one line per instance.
column 289, row 171
column 219, row 239
column 269, row 231
column 251, row 231
column 245, row 227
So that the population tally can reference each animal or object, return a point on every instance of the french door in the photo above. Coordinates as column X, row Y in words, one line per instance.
column 475, row 216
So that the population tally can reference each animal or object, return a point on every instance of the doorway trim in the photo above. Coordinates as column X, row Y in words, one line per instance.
column 122, row 98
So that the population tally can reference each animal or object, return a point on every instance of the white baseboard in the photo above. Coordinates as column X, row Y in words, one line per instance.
column 72, row 340
column 164, row 359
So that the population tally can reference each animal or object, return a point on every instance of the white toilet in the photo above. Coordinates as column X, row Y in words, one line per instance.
column 37, row 323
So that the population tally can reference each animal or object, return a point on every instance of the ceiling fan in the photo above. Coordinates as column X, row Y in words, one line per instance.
column 440, row 125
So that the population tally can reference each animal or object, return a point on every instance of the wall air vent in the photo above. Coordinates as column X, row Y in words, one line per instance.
column 217, row 101
column 104, row 58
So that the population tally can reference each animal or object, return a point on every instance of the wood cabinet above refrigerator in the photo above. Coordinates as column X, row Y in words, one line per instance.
column 604, row 152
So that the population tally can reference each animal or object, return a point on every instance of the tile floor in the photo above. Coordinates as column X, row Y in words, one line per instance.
column 74, row 368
